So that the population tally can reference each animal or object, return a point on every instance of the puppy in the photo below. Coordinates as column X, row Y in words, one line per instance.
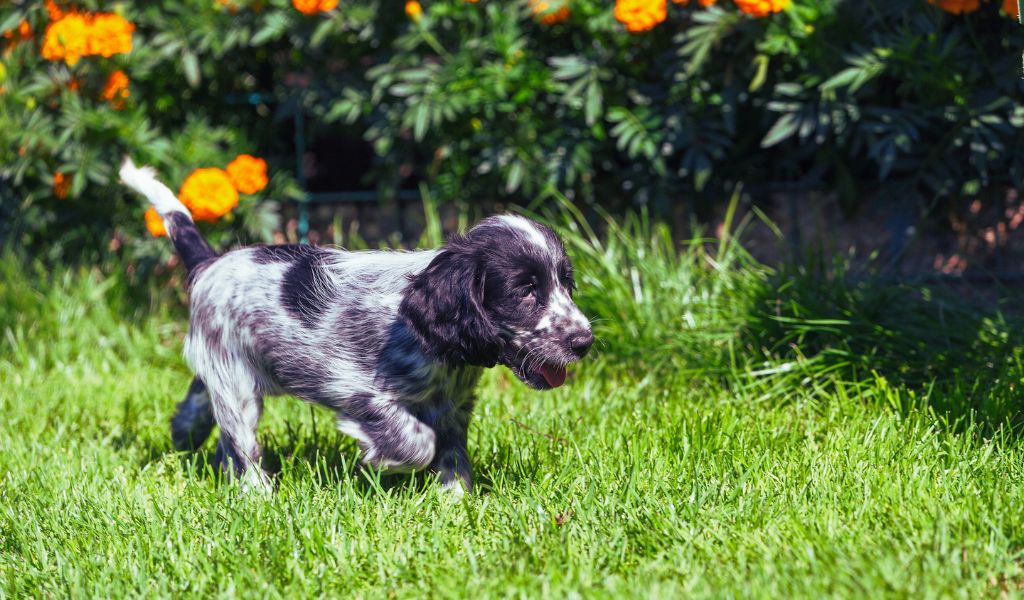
column 392, row 342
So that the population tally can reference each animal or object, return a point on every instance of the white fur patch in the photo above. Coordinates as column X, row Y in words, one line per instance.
column 563, row 308
column 143, row 180
column 526, row 228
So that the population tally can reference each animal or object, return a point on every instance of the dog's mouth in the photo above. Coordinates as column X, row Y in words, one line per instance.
column 541, row 375
column 554, row 375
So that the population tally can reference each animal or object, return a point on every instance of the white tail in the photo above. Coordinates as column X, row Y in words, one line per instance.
column 143, row 180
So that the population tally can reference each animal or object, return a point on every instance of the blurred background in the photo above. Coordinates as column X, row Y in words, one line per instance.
column 887, row 132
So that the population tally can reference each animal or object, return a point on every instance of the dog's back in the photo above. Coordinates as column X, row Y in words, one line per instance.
column 277, row 302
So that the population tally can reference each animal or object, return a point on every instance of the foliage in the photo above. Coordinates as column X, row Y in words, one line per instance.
column 67, row 122
column 502, row 101
column 713, row 311
column 714, row 444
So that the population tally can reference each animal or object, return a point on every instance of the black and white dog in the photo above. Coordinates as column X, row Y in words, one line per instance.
column 393, row 342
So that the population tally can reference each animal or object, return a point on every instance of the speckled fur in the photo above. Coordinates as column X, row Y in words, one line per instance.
column 392, row 342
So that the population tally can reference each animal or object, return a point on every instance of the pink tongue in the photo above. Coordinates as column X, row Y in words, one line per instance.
column 555, row 376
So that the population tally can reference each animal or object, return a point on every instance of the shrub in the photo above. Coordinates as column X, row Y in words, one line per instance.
column 83, row 85
column 613, row 103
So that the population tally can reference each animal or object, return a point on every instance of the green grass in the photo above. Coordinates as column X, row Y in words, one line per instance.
column 740, row 432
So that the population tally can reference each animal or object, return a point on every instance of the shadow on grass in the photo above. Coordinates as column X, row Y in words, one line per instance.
column 958, row 347
column 328, row 459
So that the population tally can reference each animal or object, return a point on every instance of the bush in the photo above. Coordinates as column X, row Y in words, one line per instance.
column 632, row 102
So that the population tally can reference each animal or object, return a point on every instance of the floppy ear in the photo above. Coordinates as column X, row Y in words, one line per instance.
column 443, row 306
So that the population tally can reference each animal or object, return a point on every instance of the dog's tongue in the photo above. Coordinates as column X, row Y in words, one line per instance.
column 554, row 375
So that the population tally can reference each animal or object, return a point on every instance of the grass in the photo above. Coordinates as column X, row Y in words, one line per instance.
column 740, row 432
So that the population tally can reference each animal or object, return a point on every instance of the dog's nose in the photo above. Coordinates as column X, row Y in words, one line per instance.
column 581, row 342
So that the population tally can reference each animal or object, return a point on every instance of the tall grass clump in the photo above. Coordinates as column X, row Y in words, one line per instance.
column 706, row 308
column 656, row 302
column 49, row 316
column 857, row 326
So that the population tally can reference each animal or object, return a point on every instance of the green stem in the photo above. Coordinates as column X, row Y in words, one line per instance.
column 434, row 44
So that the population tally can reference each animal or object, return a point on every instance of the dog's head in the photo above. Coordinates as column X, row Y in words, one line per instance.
column 501, row 293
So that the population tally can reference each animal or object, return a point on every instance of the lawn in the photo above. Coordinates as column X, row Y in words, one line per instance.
column 739, row 431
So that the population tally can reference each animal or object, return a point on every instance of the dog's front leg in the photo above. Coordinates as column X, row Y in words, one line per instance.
column 451, row 461
column 390, row 436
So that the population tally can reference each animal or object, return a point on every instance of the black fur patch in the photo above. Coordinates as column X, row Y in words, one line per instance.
column 443, row 306
column 193, row 421
column 188, row 242
column 399, row 360
column 300, row 294
column 304, row 379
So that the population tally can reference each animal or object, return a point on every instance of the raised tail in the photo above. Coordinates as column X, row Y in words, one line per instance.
column 188, row 242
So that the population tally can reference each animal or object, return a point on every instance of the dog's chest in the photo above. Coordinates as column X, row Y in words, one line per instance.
column 446, row 396
column 439, row 384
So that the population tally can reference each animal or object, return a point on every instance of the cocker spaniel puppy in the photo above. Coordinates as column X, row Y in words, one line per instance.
column 392, row 342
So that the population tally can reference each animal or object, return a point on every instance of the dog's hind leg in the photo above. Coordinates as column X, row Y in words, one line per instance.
column 193, row 419
column 237, row 406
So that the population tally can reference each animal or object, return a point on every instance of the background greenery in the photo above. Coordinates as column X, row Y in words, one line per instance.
column 487, row 103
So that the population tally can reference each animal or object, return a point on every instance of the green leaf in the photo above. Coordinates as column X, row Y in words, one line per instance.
column 419, row 129
column 842, row 78
column 11, row 21
column 568, row 67
column 322, row 33
column 275, row 25
column 782, row 130
column 592, row 109
column 515, row 177
column 761, row 61
column 190, row 64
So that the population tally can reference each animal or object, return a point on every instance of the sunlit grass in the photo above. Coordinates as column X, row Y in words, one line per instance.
column 741, row 431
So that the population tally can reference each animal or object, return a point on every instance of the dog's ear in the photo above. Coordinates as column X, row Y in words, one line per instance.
column 444, row 307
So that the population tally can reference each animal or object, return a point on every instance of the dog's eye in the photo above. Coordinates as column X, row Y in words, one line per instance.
column 527, row 289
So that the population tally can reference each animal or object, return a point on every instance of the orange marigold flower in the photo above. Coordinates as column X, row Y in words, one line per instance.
column 66, row 39
column 248, row 173
column 116, row 91
column 1010, row 7
column 22, row 32
column 75, row 35
column 544, row 13
column 155, row 223
column 704, row 3
column 73, row 84
column 53, row 10
column 957, row 6
column 311, row 7
column 60, row 185
column 110, row 34
column 413, row 10
column 208, row 194
column 640, row 15
column 761, row 8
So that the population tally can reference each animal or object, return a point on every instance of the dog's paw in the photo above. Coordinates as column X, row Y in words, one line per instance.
column 256, row 482
column 454, row 490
